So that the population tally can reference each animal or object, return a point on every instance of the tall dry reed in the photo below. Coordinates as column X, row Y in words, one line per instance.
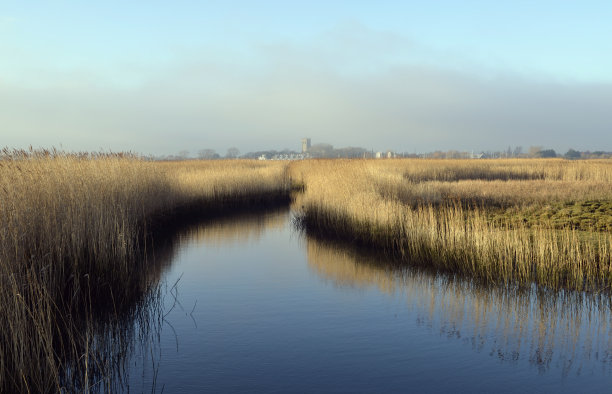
column 72, row 228
column 404, row 207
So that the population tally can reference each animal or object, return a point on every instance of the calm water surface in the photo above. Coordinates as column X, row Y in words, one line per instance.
column 252, row 305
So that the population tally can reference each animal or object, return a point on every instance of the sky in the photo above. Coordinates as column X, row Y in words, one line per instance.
column 159, row 77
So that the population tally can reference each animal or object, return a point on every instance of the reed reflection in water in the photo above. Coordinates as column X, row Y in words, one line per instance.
column 260, row 306
column 161, row 361
column 123, row 349
column 237, row 230
column 111, row 342
column 569, row 330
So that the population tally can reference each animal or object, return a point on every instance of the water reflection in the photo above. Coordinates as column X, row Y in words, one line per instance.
column 262, row 321
column 236, row 230
column 138, row 355
column 108, row 341
column 118, row 344
column 566, row 330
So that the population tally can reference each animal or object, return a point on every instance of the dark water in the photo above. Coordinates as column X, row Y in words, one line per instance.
column 251, row 305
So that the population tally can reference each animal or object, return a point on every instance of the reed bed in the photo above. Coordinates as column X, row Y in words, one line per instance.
column 73, row 234
column 442, row 214
column 73, row 230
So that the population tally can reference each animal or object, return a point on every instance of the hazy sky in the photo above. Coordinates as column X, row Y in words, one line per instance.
column 157, row 77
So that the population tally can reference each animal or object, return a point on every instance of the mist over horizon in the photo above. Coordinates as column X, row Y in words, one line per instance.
column 351, row 80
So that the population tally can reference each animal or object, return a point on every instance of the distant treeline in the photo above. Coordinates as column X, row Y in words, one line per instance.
column 328, row 151
column 533, row 152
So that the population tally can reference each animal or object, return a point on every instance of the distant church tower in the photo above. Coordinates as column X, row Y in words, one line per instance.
column 305, row 145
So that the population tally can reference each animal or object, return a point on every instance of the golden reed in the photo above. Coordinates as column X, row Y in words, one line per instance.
column 71, row 229
column 438, row 213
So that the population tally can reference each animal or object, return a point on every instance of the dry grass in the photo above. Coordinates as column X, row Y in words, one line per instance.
column 438, row 213
column 71, row 229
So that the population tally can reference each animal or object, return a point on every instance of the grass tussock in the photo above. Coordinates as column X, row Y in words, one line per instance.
column 487, row 219
column 72, row 235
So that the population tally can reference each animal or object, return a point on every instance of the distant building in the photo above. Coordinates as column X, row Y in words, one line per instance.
column 388, row 155
column 305, row 145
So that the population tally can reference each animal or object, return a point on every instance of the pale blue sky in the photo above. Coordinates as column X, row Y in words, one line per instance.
column 158, row 77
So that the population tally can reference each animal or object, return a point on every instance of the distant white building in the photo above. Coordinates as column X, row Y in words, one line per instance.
column 388, row 154
column 262, row 157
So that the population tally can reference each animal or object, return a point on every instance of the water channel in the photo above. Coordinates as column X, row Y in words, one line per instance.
column 250, row 304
